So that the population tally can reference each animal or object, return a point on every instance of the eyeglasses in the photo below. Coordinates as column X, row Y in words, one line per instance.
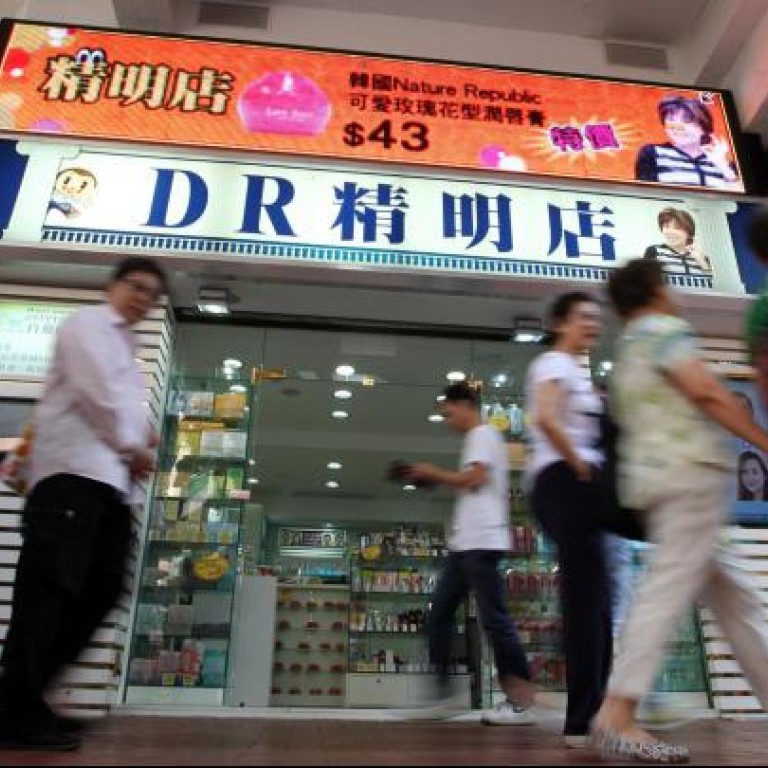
column 137, row 286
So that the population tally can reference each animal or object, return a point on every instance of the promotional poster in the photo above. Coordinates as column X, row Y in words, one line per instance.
column 101, row 84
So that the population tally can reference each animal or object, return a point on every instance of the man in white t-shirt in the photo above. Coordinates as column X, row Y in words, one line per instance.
column 478, row 539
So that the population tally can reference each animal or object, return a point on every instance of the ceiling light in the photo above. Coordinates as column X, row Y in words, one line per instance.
column 409, row 487
column 342, row 394
column 334, row 465
column 238, row 388
column 213, row 301
column 500, row 379
column 332, row 484
column 233, row 362
column 440, row 398
column 252, row 462
column 253, row 480
column 345, row 370
column 527, row 330
column 436, row 417
column 456, row 376
column 340, row 414
column 606, row 366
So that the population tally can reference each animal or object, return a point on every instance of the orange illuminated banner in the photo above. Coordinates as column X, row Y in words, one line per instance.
column 102, row 84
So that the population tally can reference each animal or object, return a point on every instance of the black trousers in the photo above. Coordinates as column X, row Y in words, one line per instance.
column 76, row 541
column 569, row 511
column 477, row 571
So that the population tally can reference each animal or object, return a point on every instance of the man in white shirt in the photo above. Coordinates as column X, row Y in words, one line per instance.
column 93, row 441
column 480, row 535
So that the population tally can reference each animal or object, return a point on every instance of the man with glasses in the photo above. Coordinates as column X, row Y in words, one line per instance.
column 93, row 442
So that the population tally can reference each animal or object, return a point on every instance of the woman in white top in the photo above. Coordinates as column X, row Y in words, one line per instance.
column 565, row 496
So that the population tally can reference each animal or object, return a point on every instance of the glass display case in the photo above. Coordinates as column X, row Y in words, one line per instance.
column 182, row 624
column 393, row 576
column 310, row 659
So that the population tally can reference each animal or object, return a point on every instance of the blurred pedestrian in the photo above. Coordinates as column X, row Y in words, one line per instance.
column 92, row 442
column 479, row 538
column 566, row 496
column 675, row 466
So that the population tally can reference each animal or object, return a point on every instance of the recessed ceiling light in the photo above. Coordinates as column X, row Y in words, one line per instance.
column 345, row 370
column 440, row 398
column 233, row 362
column 500, row 379
column 409, row 487
column 253, row 480
column 252, row 462
column 332, row 484
column 342, row 394
column 340, row 414
column 334, row 465
column 238, row 388
column 436, row 417
column 456, row 376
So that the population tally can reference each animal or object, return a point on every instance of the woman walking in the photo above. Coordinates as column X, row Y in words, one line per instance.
column 563, row 479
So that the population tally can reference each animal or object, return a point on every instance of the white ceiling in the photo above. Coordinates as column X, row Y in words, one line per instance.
column 658, row 21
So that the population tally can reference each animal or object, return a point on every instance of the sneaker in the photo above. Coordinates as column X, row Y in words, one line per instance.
column 443, row 701
column 575, row 741
column 508, row 713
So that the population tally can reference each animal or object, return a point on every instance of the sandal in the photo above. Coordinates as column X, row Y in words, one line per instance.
column 610, row 744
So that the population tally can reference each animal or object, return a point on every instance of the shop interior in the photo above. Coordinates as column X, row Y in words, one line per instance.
column 302, row 499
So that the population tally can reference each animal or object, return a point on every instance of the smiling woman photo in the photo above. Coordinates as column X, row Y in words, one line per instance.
column 692, row 155
column 679, row 253
column 753, row 477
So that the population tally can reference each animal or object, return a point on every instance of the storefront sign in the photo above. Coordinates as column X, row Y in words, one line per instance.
column 219, row 210
column 101, row 84
column 27, row 331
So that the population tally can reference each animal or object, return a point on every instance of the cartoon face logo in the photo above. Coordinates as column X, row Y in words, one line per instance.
column 73, row 191
column 94, row 56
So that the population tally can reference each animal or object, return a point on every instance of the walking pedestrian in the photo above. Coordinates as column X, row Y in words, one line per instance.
column 92, row 443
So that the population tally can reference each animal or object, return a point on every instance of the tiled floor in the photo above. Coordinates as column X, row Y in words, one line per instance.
column 146, row 740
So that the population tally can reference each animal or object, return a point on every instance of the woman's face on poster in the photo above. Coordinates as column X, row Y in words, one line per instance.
column 753, row 478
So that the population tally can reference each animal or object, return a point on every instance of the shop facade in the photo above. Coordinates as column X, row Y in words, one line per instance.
column 278, row 565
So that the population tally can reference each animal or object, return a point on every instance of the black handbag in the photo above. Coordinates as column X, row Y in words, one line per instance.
column 614, row 517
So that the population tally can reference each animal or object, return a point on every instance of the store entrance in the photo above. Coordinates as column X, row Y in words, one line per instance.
column 283, row 567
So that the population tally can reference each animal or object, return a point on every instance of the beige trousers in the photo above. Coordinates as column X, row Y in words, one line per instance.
column 690, row 561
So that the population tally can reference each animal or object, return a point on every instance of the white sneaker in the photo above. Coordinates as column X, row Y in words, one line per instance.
column 507, row 713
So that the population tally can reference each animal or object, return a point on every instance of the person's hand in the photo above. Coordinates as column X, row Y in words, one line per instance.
column 142, row 464
column 695, row 250
column 583, row 470
column 717, row 151
column 153, row 441
column 423, row 471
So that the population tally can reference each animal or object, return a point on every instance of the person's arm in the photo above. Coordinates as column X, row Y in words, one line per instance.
column 645, row 164
column 704, row 390
column 549, row 404
column 650, row 252
column 475, row 475
column 87, row 359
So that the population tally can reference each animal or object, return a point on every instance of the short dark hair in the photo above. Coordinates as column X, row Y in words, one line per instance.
column 561, row 308
column 693, row 109
column 141, row 264
column 757, row 234
column 461, row 392
column 635, row 285
column 682, row 218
